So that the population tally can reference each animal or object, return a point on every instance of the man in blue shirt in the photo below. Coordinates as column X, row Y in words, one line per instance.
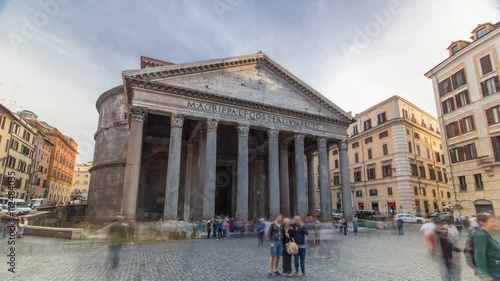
column 399, row 223
column 300, row 238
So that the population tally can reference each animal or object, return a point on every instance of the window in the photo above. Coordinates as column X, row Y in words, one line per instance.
column 336, row 179
column 356, row 158
column 444, row 87
column 439, row 174
column 410, row 146
column 359, row 193
column 357, row 175
column 85, row 182
column 355, row 130
column 385, row 150
column 77, row 182
column 470, row 151
column 424, row 191
column 21, row 166
column 381, row 118
column 418, row 150
column 11, row 162
column 486, row 66
column 355, row 145
column 433, row 193
column 335, row 152
column 478, row 182
column 405, row 113
column 454, row 49
column 386, row 170
column 389, row 191
column 368, row 124
column 336, row 161
column 467, row 124
column 481, row 32
column 14, row 128
column 428, row 153
column 457, row 155
column 458, row 79
column 462, row 99
column 415, row 190
column 462, row 183
column 493, row 115
column 452, row 130
column 437, row 157
column 421, row 170
column 370, row 154
column 432, row 173
column 77, row 175
column 417, row 135
column 490, row 86
column 383, row 134
column 370, row 172
column 25, row 150
column 373, row 192
column 495, row 143
column 442, row 157
column 368, row 140
column 448, row 105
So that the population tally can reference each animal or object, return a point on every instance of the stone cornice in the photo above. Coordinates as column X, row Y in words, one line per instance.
column 112, row 125
column 108, row 94
column 112, row 164
column 206, row 96
column 259, row 59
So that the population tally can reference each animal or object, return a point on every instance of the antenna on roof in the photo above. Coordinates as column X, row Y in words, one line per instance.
column 12, row 97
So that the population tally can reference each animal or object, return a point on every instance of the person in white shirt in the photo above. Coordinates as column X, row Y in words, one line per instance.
column 429, row 228
column 473, row 223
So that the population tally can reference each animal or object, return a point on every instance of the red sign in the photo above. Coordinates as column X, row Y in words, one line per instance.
column 392, row 204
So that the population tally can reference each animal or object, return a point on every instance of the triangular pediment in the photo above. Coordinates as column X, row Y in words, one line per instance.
column 254, row 78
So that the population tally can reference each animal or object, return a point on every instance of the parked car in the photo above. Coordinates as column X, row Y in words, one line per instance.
column 409, row 218
column 337, row 213
column 22, row 207
column 39, row 202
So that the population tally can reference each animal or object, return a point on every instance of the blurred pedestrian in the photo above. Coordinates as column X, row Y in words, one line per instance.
column 117, row 236
column 486, row 248
column 23, row 222
column 399, row 224
column 214, row 229
column 199, row 226
column 260, row 228
column 209, row 228
column 219, row 229
column 355, row 225
column 275, row 237
column 458, row 224
column 300, row 238
column 474, row 225
column 429, row 228
column 189, row 230
column 446, row 241
column 345, row 225
column 317, row 232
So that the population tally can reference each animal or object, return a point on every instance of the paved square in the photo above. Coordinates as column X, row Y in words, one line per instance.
column 380, row 255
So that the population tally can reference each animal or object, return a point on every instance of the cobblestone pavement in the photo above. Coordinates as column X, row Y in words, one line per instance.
column 379, row 255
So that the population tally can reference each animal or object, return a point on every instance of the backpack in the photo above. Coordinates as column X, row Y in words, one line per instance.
column 469, row 251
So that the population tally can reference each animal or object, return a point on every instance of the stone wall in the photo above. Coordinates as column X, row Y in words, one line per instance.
column 59, row 216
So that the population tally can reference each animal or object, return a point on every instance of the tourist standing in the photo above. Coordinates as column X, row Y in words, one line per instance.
column 200, row 229
column 429, row 228
column 118, row 235
column 355, row 225
column 486, row 249
column 345, row 226
column 260, row 227
column 276, row 243
column 300, row 238
column 474, row 225
column 209, row 228
column 399, row 224
column 189, row 229
column 288, row 236
column 219, row 229
column 23, row 222
column 317, row 232
column 310, row 228
column 214, row 229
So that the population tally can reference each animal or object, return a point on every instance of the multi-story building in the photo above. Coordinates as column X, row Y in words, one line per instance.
column 82, row 179
column 395, row 161
column 42, row 162
column 18, row 152
column 466, row 91
column 62, row 163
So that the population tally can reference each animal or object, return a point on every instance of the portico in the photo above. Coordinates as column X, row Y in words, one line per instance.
column 223, row 137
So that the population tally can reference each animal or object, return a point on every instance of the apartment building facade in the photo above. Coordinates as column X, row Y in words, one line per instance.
column 82, row 179
column 395, row 161
column 42, row 159
column 467, row 95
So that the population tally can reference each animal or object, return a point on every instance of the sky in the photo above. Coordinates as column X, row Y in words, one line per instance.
column 58, row 56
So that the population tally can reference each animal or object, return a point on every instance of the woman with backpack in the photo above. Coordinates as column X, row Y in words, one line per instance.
column 288, row 237
column 486, row 249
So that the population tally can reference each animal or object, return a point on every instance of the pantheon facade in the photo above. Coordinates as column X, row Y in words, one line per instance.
column 235, row 136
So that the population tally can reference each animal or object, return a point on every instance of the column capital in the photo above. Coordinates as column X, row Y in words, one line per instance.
column 243, row 130
column 321, row 142
column 284, row 145
column 202, row 135
column 176, row 120
column 343, row 144
column 273, row 134
column 212, row 126
column 138, row 113
column 299, row 138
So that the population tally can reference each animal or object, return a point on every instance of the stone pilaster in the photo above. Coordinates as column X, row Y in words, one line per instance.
column 324, row 181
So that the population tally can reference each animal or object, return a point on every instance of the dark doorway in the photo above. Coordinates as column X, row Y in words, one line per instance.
column 223, row 191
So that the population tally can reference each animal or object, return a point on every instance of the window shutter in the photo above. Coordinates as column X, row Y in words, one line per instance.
column 462, row 126
column 489, row 116
column 472, row 125
column 483, row 89
column 486, row 64
column 448, row 130
column 466, row 94
column 443, row 104
column 497, row 84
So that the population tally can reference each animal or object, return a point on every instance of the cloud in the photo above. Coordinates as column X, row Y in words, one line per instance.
column 82, row 48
